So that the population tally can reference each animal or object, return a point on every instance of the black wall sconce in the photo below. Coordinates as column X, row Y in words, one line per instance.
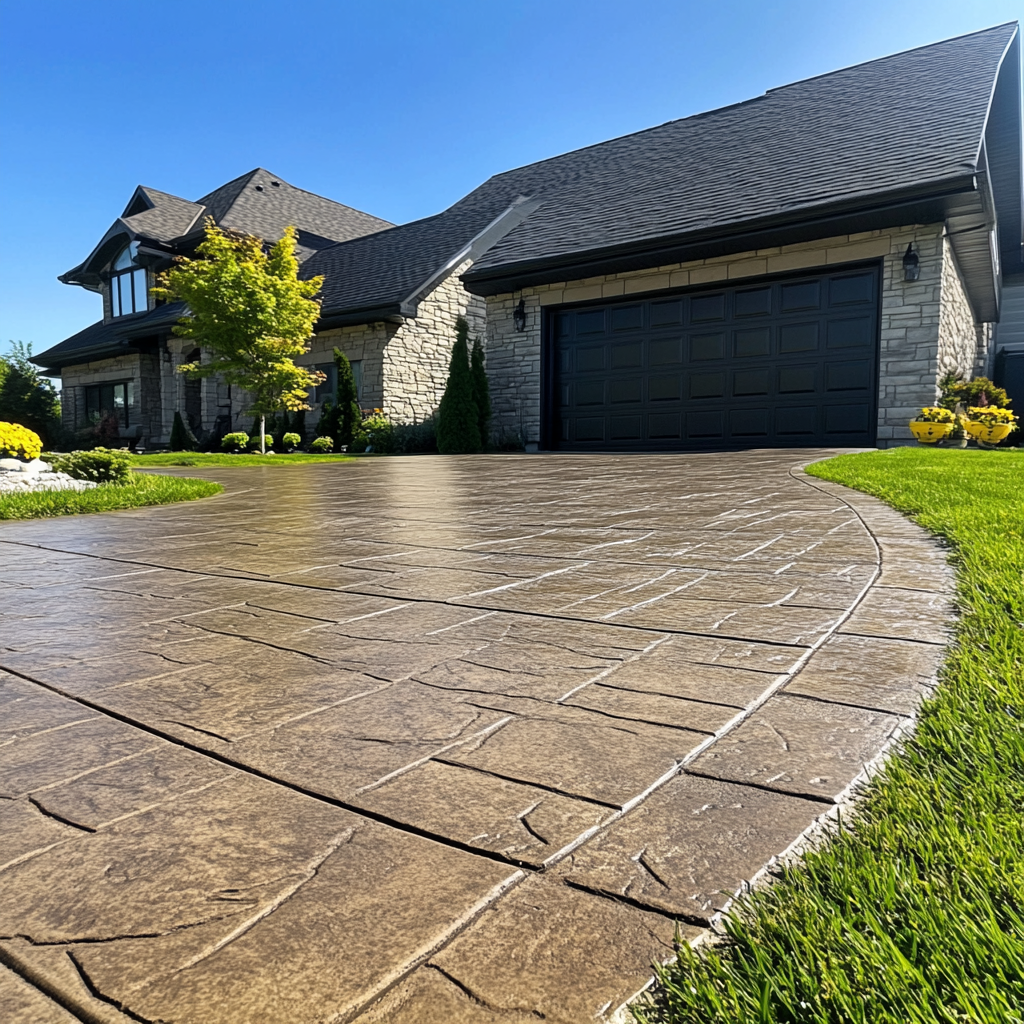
column 911, row 264
column 519, row 316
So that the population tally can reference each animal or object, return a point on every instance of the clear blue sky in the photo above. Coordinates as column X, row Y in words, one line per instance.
column 395, row 107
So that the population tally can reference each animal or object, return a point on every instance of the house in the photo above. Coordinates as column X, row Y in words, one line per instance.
column 799, row 269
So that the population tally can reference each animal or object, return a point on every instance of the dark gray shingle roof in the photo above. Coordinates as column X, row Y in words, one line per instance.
column 261, row 203
column 897, row 122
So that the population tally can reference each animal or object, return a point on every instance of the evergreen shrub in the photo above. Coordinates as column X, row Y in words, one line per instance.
column 237, row 441
column 182, row 438
column 101, row 466
column 458, row 418
column 322, row 445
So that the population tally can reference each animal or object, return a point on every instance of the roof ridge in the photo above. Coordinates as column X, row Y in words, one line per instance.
column 746, row 102
column 247, row 176
column 890, row 56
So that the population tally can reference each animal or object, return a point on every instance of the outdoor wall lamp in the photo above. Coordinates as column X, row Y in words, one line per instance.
column 519, row 316
column 911, row 264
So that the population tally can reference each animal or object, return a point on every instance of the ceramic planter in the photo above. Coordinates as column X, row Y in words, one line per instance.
column 986, row 435
column 929, row 433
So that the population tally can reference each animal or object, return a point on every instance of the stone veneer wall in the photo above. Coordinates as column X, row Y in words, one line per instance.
column 405, row 366
column 924, row 325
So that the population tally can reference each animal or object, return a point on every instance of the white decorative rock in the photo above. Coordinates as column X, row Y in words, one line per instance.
column 11, row 465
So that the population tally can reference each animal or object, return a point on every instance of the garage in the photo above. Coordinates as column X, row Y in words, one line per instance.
column 785, row 362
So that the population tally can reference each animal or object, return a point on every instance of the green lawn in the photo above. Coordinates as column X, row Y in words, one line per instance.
column 916, row 915
column 221, row 459
column 145, row 489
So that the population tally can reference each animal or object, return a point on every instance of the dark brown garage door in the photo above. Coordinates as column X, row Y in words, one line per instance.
column 790, row 362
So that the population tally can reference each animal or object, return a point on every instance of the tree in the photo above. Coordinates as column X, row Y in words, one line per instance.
column 27, row 397
column 481, row 390
column 251, row 314
column 349, row 415
column 458, row 418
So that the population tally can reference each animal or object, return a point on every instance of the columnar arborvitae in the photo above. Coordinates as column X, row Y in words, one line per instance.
column 350, row 416
column 458, row 418
column 481, row 391
column 182, row 439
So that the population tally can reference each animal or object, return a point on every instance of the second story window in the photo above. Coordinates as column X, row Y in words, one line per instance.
column 128, row 293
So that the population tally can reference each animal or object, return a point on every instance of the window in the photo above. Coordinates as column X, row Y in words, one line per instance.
column 102, row 400
column 128, row 291
column 329, row 388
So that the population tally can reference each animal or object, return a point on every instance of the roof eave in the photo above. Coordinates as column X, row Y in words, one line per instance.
column 918, row 205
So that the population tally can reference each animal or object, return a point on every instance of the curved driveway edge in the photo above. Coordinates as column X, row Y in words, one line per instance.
column 434, row 739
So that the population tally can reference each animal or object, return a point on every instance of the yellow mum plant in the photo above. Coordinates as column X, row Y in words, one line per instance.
column 18, row 442
column 991, row 416
column 934, row 414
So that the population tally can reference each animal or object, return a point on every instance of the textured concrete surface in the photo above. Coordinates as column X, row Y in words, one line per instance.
column 432, row 740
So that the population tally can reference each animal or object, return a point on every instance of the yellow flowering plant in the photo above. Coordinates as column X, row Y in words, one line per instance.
column 992, row 416
column 935, row 414
column 18, row 442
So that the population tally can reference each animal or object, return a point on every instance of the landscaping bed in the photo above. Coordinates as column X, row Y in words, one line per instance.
column 226, row 459
column 140, row 490
column 916, row 914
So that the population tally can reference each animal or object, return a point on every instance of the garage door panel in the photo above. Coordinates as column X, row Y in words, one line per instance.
column 749, row 422
column 856, row 332
column 704, row 308
column 664, row 426
column 707, row 385
column 665, row 351
column 797, row 380
column 851, row 289
column 664, row 388
column 627, row 318
column 700, row 425
column 800, row 296
column 796, row 421
column 755, row 341
column 620, row 391
column 629, row 355
column 788, row 362
column 667, row 314
column 750, row 382
column 753, row 302
column 707, row 346
column 850, row 375
column 624, row 428
column 798, row 338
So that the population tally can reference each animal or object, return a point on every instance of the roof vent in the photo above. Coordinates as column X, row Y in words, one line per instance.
column 259, row 188
column 276, row 184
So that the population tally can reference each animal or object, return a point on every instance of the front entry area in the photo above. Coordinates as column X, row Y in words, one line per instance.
column 779, row 363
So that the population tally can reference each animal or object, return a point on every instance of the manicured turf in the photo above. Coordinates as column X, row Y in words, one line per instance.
column 221, row 459
column 145, row 489
column 916, row 914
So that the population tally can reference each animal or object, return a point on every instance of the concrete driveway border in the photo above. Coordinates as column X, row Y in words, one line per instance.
column 566, row 932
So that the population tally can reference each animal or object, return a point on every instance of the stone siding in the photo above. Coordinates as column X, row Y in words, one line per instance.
column 913, row 314
column 405, row 366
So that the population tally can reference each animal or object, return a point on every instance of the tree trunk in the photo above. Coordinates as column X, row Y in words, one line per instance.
column 263, row 433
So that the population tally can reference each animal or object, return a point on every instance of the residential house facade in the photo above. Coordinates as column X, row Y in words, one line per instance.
column 800, row 269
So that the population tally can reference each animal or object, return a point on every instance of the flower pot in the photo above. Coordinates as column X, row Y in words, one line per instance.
column 929, row 433
column 986, row 435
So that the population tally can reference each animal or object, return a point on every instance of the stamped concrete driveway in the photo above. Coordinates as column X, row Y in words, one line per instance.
column 431, row 740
